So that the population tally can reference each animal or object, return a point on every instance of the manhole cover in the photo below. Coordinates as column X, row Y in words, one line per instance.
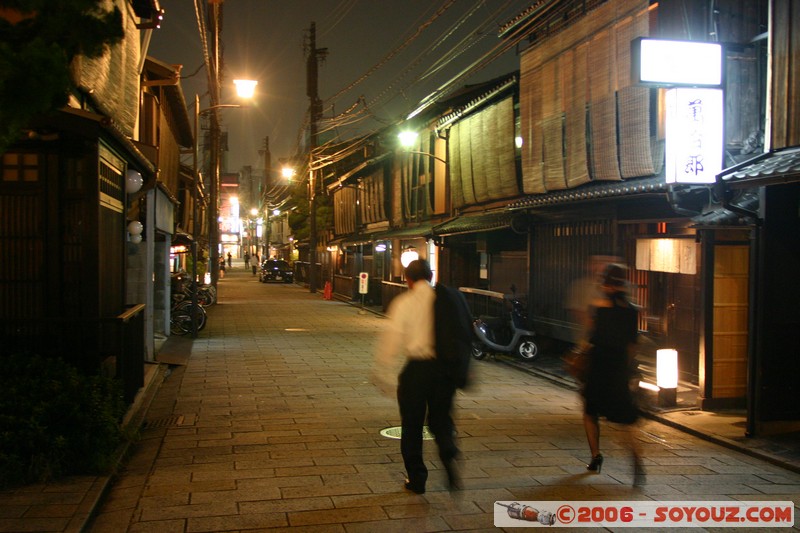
column 395, row 432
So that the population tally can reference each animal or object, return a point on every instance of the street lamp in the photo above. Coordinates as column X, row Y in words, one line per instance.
column 244, row 89
column 213, row 229
column 408, row 139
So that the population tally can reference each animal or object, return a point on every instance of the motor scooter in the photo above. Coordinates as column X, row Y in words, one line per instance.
column 505, row 335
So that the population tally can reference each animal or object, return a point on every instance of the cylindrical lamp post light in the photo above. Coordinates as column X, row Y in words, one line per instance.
column 667, row 377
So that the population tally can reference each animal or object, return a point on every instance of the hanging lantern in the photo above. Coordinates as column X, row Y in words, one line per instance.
column 133, row 181
column 135, row 229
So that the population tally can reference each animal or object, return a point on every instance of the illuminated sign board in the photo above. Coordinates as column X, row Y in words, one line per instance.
column 179, row 249
column 662, row 63
column 694, row 135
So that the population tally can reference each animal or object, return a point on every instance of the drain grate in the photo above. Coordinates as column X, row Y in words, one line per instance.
column 397, row 431
column 170, row 420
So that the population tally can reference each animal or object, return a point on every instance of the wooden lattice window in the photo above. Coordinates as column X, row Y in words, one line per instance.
column 20, row 167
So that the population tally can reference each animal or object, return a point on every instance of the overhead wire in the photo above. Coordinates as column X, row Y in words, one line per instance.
column 396, row 50
column 361, row 110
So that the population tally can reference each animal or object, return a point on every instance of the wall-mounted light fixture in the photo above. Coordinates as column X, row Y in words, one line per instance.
column 409, row 254
column 133, row 181
column 135, row 229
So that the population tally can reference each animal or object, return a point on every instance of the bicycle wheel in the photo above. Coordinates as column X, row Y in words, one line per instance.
column 204, row 297
column 180, row 323
column 184, row 311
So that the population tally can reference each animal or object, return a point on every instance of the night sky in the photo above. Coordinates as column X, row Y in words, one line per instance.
column 263, row 40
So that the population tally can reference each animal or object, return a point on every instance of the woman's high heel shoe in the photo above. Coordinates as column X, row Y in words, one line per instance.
column 597, row 463
column 638, row 472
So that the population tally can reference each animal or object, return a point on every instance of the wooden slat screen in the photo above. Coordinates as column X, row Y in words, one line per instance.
column 482, row 155
column 372, row 208
column 23, row 269
column 634, row 103
column 577, row 170
column 530, row 105
column 569, row 87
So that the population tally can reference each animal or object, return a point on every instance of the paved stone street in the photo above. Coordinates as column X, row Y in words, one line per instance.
column 273, row 423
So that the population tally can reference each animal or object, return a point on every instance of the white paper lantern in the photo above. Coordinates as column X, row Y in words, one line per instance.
column 133, row 181
column 135, row 228
column 136, row 239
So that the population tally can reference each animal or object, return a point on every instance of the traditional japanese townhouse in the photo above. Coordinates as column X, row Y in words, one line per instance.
column 164, row 206
column 66, row 190
column 595, row 183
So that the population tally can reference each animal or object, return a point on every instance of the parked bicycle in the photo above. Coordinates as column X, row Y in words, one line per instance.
column 181, row 316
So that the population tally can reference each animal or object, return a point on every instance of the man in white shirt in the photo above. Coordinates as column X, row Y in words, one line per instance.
column 424, row 384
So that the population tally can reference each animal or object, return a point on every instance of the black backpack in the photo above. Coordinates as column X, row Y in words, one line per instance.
column 453, row 333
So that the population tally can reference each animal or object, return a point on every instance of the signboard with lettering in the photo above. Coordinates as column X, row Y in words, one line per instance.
column 666, row 63
column 694, row 135
column 363, row 283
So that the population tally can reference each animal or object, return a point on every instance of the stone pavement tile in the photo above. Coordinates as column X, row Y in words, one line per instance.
column 421, row 525
column 215, row 508
column 250, row 461
column 112, row 521
column 792, row 490
column 22, row 525
column 285, row 506
column 153, row 489
column 721, row 490
column 196, row 453
column 280, row 483
column 318, row 470
column 231, row 475
column 157, row 526
column 325, row 490
column 235, row 496
column 338, row 515
column 125, row 498
column 362, row 463
column 236, row 522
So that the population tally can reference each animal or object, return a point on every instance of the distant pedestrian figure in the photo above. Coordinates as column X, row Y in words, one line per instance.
column 430, row 329
column 222, row 267
column 230, row 260
column 607, row 391
column 256, row 263
column 246, row 260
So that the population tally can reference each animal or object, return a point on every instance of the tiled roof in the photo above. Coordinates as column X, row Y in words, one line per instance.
column 469, row 223
column 718, row 216
column 593, row 191
column 780, row 166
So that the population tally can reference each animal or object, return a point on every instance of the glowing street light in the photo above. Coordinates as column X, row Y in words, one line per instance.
column 288, row 173
column 245, row 88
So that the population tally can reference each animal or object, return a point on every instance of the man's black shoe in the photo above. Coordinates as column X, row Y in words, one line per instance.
column 453, row 479
column 416, row 489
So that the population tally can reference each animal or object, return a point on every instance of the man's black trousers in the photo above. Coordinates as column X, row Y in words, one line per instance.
column 424, row 387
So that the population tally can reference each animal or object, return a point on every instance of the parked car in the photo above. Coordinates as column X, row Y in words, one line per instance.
column 276, row 270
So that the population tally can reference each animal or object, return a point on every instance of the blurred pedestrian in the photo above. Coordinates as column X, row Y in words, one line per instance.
column 230, row 260
column 430, row 376
column 246, row 260
column 607, row 391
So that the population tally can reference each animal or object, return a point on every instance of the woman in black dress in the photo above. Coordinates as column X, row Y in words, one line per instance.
column 607, row 391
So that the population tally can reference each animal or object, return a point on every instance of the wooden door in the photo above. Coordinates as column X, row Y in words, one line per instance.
column 731, row 274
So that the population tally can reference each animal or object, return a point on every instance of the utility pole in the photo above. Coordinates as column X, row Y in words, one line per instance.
column 315, row 55
column 266, row 186
column 214, row 93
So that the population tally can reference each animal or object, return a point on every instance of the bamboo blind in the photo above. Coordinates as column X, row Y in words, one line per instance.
column 570, row 87
column 482, row 155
